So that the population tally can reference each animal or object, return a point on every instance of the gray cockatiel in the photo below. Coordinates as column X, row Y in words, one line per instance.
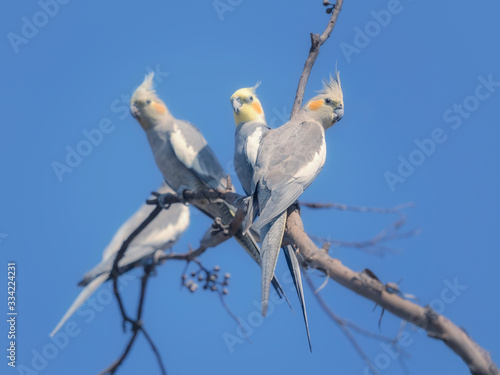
column 165, row 229
column 288, row 160
column 186, row 160
column 251, row 127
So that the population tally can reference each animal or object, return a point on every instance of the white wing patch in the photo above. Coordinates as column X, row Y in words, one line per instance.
column 253, row 143
column 162, row 235
column 183, row 150
column 308, row 172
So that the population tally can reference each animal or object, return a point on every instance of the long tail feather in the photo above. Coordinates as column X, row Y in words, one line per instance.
column 293, row 266
column 82, row 297
column 271, row 235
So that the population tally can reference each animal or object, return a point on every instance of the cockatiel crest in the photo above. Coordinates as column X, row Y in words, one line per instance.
column 246, row 106
column 327, row 107
column 146, row 106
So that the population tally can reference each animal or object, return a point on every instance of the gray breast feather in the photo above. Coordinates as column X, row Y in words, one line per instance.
column 247, row 140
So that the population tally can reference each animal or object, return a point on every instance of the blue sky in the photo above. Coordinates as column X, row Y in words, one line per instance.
column 421, row 86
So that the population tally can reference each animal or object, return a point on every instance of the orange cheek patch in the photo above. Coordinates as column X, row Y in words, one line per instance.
column 257, row 108
column 160, row 108
column 315, row 105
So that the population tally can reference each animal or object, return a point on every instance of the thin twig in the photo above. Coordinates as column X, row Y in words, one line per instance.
column 136, row 327
column 340, row 324
column 345, row 207
column 115, row 270
column 155, row 351
column 316, row 42
column 118, row 297
column 144, row 281
column 368, row 243
column 231, row 314
column 114, row 366
column 387, row 234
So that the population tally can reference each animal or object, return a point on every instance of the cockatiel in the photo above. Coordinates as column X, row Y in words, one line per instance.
column 288, row 160
column 251, row 127
column 186, row 160
column 160, row 234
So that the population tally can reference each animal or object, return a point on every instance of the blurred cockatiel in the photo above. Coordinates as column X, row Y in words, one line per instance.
column 251, row 127
column 288, row 160
column 165, row 229
column 186, row 160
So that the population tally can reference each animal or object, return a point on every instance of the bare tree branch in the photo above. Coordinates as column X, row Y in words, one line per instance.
column 316, row 42
column 115, row 270
column 437, row 326
column 213, row 237
column 362, row 283
column 136, row 327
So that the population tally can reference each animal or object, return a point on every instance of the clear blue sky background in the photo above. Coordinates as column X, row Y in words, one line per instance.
column 398, row 85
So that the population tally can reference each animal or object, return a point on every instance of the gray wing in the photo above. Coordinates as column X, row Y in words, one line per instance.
column 160, row 234
column 288, row 161
column 192, row 150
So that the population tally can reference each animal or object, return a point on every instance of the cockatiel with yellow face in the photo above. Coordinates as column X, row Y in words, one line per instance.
column 186, row 160
column 288, row 160
column 251, row 126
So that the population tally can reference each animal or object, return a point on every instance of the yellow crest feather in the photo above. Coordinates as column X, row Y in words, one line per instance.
column 332, row 87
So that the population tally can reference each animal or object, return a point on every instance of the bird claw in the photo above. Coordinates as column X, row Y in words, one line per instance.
column 153, row 201
column 163, row 200
column 219, row 226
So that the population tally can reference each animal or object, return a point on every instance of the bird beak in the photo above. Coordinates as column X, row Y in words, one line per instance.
column 134, row 110
column 339, row 112
column 236, row 104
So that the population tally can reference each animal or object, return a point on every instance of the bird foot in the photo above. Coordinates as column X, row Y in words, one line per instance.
column 163, row 200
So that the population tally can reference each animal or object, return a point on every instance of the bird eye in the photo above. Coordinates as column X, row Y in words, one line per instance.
column 250, row 98
column 148, row 101
column 328, row 100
